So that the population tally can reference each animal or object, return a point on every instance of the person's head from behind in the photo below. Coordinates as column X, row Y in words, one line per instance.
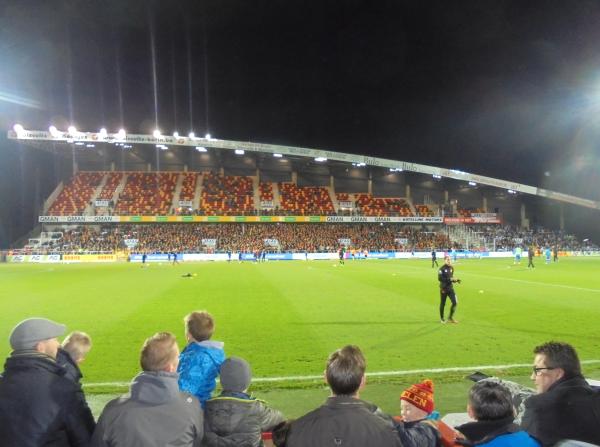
column 160, row 353
column 490, row 401
column 77, row 344
column 554, row 361
column 199, row 326
column 345, row 373
column 37, row 334
column 416, row 402
column 235, row 375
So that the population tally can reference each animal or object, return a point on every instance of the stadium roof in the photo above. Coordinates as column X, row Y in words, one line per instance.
column 85, row 139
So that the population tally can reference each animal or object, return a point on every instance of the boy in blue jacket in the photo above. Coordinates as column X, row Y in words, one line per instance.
column 200, row 361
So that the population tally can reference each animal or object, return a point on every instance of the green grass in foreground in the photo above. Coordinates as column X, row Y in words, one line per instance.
column 286, row 317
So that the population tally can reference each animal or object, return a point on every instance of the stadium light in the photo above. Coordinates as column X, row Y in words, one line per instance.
column 320, row 159
column 510, row 191
column 156, row 133
column 18, row 129
column 103, row 133
column 79, row 143
column 472, row 184
column 200, row 149
column 192, row 135
column 277, row 155
column 121, row 134
column 176, row 134
column 72, row 130
column 53, row 131
column 90, row 145
column 437, row 176
column 240, row 151
column 207, row 136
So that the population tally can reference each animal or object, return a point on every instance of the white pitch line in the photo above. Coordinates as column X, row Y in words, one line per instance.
column 547, row 284
column 373, row 374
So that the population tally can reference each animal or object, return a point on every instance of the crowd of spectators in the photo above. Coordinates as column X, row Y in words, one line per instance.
column 218, row 237
column 507, row 237
column 172, row 400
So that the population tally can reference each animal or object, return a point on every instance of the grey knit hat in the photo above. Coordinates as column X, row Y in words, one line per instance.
column 29, row 332
column 235, row 374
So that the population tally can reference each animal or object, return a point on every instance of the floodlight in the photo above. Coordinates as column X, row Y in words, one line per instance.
column 277, row 155
column 239, row 151
column 200, row 149
column 207, row 136
column 437, row 176
column 176, row 134
column 90, row 145
column 472, row 184
column 103, row 132
column 53, row 131
column 79, row 143
column 192, row 135
column 72, row 130
column 156, row 133
column 320, row 159
column 18, row 129
column 121, row 134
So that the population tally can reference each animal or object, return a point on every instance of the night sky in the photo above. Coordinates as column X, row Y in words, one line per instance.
column 509, row 89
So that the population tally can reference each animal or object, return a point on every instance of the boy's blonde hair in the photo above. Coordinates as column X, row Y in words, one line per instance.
column 77, row 344
column 200, row 325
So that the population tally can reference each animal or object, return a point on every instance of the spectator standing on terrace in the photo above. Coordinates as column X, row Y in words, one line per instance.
column 565, row 406
column 234, row 418
column 491, row 406
column 344, row 419
column 201, row 360
column 72, row 353
column 447, row 280
column 39, row 406
column 154, row 413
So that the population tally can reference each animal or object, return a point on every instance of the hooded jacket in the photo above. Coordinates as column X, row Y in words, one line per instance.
column 497, row 433
column 39, row 406
column 154, row 413
column 237, row 420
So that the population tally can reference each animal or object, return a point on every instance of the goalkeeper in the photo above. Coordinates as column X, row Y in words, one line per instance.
column 447, row 280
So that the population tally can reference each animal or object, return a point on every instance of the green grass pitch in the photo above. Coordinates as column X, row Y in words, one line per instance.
column 286, row 317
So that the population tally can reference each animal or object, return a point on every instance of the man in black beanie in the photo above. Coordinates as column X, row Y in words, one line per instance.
column 38, row 405
column 234, row 417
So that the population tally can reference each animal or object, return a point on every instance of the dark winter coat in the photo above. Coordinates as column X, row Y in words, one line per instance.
column 154, row 414
column 418, row 433
column 343, row 421
column 499, row 433
column 72, row 371
column 569, row 409
column 237, row 420
column 39, row 406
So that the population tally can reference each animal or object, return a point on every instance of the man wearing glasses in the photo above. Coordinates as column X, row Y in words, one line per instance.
column 565, row 406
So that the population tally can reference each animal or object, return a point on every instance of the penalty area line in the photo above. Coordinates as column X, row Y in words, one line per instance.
column 406, row 372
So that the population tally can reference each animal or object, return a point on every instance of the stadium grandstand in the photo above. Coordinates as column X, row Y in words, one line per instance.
column 161, row 194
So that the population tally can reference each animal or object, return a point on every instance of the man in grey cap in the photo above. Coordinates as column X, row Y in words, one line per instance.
column 38, row 405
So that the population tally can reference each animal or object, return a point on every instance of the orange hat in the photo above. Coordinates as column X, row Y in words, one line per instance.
column 420, row 395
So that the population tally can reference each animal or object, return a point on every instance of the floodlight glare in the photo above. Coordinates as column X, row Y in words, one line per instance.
column 53, row 131
column 277, row 155
column 18, row 129
column 156, row 133
column 121, row 134
column 472, row 184
column 320, row 159
column 72, row 130
column 207, row 136
column 192, row 135
column 103, row 132
column 200, row 149
column 239, row 151
column 176, row 134
column 90, row 145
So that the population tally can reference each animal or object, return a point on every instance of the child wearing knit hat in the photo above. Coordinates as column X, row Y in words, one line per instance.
column 416, row 402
